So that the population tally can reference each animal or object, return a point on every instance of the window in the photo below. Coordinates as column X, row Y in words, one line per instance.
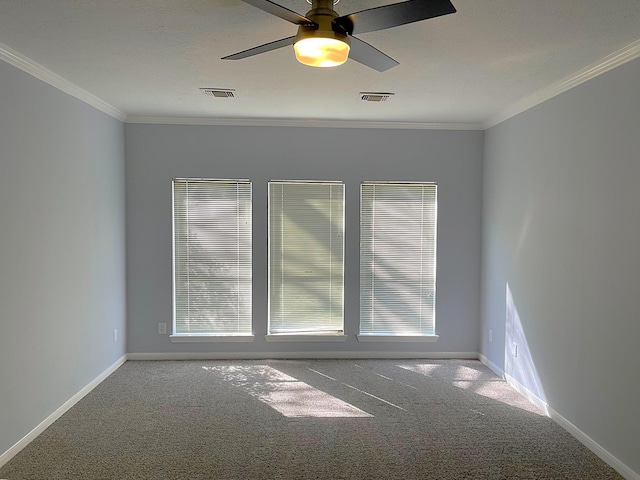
column 397, row 260
column 306, row 251
column 211, row 258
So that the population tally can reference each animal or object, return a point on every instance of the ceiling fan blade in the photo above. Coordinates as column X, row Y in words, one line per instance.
column 280, row 11
column 396, row 14
column 370, row 56
column 267, row 47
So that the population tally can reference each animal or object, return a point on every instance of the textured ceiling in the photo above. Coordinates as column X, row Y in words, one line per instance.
column 151, row 57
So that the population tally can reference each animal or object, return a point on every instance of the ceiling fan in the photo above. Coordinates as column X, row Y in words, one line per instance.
column 325, row 39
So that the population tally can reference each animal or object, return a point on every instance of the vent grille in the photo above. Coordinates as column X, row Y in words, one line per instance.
column 374, row 96
column 219, row 92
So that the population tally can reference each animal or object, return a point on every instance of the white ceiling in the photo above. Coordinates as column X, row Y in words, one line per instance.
column 149, row 58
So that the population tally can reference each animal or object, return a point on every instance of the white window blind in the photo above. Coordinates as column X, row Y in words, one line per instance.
column 397, row 258
column 212, row 257
column 306, row 251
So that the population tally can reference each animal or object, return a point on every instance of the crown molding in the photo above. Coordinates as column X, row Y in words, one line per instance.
column 616, row 59
column 32, row 68
column 620, row 57
column 294, row 122
column 41, row 73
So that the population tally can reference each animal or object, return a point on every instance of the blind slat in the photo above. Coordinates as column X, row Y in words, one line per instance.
column 397, row 258
column 306, row 250
column 212, row 257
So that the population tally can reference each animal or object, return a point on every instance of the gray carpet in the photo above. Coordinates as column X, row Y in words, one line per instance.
column 305, row 419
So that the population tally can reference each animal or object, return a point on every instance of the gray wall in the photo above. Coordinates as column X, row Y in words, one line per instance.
column 561, row 231
column 157, row 153
column 559, row 239
column 62, row 260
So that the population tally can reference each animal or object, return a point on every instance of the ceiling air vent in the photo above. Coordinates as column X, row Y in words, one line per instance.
column 219, row 92
column 374, row 96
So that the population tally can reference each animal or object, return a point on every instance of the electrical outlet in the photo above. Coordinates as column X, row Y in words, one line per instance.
column 515, row 349
column 115, row 335
column 162, row 328
column 490, row 335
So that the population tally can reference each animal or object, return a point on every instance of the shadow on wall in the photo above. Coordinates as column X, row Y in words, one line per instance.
column 518, row 362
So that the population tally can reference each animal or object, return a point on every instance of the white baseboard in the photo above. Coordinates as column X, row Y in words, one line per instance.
column 601, row 452
column 592, row 445
column 298, row 355
column 491, row 366
column 582, row 437
column 528, row 394
column 29, row 437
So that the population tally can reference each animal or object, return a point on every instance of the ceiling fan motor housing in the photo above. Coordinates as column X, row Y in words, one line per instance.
column 323, row 15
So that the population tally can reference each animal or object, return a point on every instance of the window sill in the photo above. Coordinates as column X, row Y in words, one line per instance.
column 285, row 337
column 210, row 338
column 398, row 338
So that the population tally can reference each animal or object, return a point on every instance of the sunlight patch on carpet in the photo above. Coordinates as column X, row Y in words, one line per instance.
column 285, row 394
column 478, row 382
